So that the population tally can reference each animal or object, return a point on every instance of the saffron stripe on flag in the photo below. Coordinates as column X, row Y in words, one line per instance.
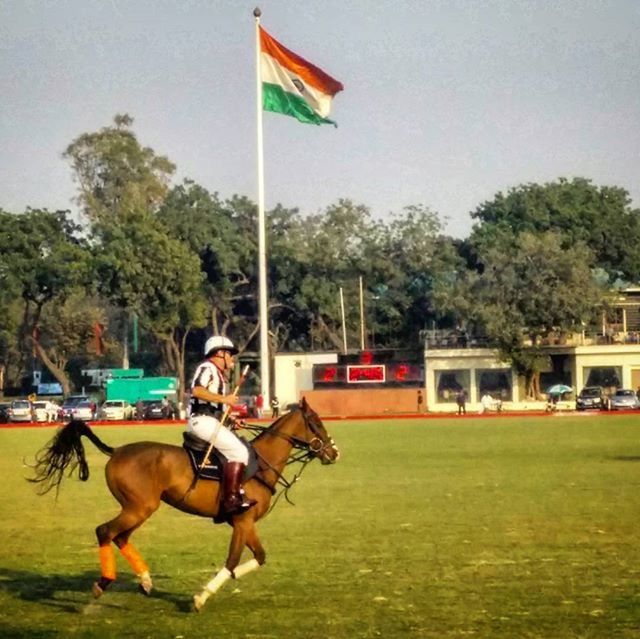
column 306, row 71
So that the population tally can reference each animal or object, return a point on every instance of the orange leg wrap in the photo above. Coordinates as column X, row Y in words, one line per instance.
column 107, row 562
column 137, row 563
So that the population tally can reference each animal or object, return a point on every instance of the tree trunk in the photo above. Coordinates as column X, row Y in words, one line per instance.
column 243, row 347
column 56, row 370
column 25, row 333
column 175, row 347
column 536, row 385
column 333, row 337
column 168, row 354
column 533, row 385
column 182, row 348
column 528, row 383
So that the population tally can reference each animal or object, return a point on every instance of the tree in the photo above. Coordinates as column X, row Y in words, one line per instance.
column 116, row 176
column 140, row 267
column 599, row 217
column 66, row 330
column 222, row 234
column 45, row 260
column 333, row 252
column 10, row 302
column 313, row 257
column 416, row 266
column 144, row 270
column 530, row 286
column 287, row 264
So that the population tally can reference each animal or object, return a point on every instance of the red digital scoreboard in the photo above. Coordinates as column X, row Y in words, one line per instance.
column 387, row 375
column 366, row 374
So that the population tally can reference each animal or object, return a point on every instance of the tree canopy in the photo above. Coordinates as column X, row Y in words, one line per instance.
column 183, row 262
column 599, row 217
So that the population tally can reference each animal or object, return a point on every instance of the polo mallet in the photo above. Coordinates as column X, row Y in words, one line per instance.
column 225, row 416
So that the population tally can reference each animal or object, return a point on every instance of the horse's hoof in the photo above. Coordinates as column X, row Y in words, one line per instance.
column 96, row 591
column 146, row 585
column 198, row 602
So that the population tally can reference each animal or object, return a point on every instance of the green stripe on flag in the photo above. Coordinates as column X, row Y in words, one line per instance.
column 277, row 100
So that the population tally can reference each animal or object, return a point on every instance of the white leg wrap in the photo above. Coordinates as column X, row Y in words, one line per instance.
column 213, row 586
column 246, row 568
column 218, row 581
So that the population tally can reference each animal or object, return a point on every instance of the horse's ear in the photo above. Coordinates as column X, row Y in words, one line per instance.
column 303, row 403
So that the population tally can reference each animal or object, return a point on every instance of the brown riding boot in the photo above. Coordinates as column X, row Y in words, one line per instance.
column 234, row 500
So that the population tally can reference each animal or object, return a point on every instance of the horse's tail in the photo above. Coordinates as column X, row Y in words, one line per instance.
column 65, row 450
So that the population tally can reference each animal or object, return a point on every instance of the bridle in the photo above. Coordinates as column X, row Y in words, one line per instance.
column 309, row 449
column 303, row 451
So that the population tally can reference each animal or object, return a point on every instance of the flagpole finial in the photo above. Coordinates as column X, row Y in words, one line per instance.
column 256, row 12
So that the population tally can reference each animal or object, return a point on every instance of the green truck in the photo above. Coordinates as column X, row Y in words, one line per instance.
column 144, row 388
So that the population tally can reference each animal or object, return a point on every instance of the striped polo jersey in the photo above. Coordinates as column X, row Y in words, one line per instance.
column 210, row 377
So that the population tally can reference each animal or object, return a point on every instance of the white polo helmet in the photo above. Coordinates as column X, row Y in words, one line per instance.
column 219, row 343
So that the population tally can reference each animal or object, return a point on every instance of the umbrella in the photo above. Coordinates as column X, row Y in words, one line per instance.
column 559, row 389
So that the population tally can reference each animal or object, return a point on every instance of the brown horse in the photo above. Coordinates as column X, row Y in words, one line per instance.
column 143, row 474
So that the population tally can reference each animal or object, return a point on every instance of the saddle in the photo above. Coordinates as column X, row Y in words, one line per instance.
column 196, row 449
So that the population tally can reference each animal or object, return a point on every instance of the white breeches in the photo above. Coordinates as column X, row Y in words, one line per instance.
column 207, row 428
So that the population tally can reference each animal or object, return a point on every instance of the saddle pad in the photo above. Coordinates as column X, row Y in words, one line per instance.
column 213, row 470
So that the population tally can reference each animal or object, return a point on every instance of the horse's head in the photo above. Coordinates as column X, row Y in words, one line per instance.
column 315, row 436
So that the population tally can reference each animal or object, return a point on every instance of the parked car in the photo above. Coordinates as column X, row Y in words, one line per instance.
column 5, row 412
column 591, row 397
column 116, row 409
column 21, row 411
column 624, row 399
column 85, row 410
column 160, row 409
column 66, row 410
column 45, row 411
column 153, row 410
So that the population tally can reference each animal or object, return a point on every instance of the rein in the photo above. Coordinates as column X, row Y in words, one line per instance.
column 302, row 452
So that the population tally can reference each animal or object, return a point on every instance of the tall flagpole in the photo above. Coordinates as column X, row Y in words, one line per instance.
column 262, row 243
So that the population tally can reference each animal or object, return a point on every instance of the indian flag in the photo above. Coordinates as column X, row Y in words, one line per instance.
column 293, row 86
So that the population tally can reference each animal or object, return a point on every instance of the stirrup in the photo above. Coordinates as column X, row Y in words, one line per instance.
column 237, row 504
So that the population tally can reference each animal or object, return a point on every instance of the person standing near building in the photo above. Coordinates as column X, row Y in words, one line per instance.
column 166, row 409
column 275, row 407
column 259, row 405
column 420, row 401
column 461, row 401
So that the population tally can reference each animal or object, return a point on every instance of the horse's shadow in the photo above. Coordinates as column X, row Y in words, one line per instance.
column 72, row 593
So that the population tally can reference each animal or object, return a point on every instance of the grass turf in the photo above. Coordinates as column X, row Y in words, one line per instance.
column 506, row 527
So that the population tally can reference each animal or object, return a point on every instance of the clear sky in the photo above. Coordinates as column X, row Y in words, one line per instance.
column 445, row 102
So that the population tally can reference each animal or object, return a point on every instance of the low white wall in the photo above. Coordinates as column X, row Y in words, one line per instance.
column 293, row 374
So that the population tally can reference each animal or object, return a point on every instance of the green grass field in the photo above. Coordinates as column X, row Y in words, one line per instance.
column 432, row 528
